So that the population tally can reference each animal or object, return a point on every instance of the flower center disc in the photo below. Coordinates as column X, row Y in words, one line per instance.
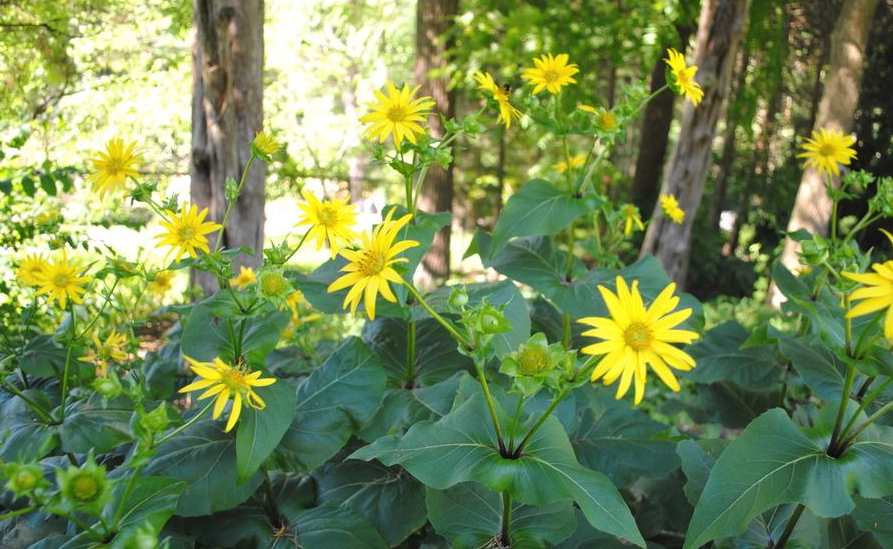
column 84, row 488
column 186, row 233
column 60, row 280
column 827, row 149
column 372, row 263
column 397, row 113
column 532, row 360
column 327, row 216
column 550, row 76
column 637, row 336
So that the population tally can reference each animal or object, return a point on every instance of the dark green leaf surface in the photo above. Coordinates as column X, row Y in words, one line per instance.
column 260, row 431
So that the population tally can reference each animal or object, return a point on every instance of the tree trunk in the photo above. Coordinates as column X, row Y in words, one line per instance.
column 655, row 133
column 720, row 29
column 227, row 111
column 812, row 208
column 433, row 19
column 356, row 166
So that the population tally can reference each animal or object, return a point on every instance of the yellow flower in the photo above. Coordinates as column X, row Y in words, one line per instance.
column 605, row 120
column 635, row 337
column 576, row 162
column 671, row 209
column 29, row 269
column 114, row 166
column 501, row 95
column 631, row 219
column 551, row 73
column 162, row 283
column 827, row 149
column 877, row 293
column 62, row 280
column 369, row 270
column 245, row 277
column 186, row 231
column 110, row 350
column 329, row 220
column 587, row 108
column 225, row 381
column 265, row 144
column 684, row 76
column 298, row 306
column 397, row 113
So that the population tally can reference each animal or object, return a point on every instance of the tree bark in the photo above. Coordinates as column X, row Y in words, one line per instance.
column 655, row 133
column 433, row 19
column 720, row 29
column 812, row 207
column 227, row 111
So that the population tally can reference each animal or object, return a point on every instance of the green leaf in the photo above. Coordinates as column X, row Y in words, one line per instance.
column 612, row 437
column 206, row 336
column 23, row 437
column 539, row 208
column 720, row 357
column 875, row 516
column 587, row 537
column 770, row 463
column 335, row 528
column 459, row 448
column 822, row 372
column 698, row 458
column 204, row 457
column 334, row 402
column 93, row 424
column 48, row 184
column 42, row 357
column 261, row 430
column 470, row 516
column 393, row 501
column 152, row 500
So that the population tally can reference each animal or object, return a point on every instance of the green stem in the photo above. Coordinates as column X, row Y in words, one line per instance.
column 847, row 326
column 505, row 531
column 89, row 326
column 442, row 321
column 539, row 423
column 865, row 402
column 231, row 205
column 871, row 419
column 81, row 524
column 119, row 513
column 569, row 171
column 841, row 412
column 298, row 247
column 500, row 439
column 514, row 426
column 271, row 497
column 35, row 407
column 22, row 511
column 410, row 352
column 566, row 331
column 789, row 529
column 648, row 100
column 185, row 426
column 588, row 177
column 65, row 382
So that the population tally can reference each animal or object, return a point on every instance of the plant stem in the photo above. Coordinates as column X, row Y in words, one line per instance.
column 298, row 247
column 865, row 402
column 841, row 412
column 866, row 384
column 505, row 532
column 649, row 99
column 442, row 321
column 410, row 351
column 230, row 205
column 22, row 511
column 185, row 426
column 871, row 419
column 65, row 382
column 127, row 491
column 271, row 497
column 81, row 524
column 847, row 326
column 494, row 417
column 513, row 428
column 566, row 331
column 789, row 529
column 35, row 407
column 539, row 423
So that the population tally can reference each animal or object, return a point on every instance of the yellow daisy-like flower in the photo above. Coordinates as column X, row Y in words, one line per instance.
column 62, row 280
column 245, row 277
column 162, row 283
column 576, row 162
column 684, row 76
column 113, row 349
column 265, row 144
column 827, row 149
column 635, row 337
column 114, row 166
column 186, row 231
column 29, row 269
column 225, row 381
column 877, row 294
column 551, row 73
column 330, row 220
column 631, row 219
column 300, row 307
column 369, row 270
column 501, row 95
column 671, row 209
column 397, row 113
column 605, row 120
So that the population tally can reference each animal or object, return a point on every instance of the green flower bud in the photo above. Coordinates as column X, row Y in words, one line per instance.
column 272, row 285
column 536, row 363
column 109, row 387
column 23, row 478
column 157, row 420
column 458, row 299
column 85, row 488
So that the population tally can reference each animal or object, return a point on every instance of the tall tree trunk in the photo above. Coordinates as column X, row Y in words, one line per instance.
column 433, row 19
column 655, row 134
column 720, row 28
column 227, row 111
column 812, row 208
column 356, row 167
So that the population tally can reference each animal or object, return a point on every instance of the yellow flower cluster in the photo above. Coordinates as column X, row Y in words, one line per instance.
column 671, row 209
column 684, row 77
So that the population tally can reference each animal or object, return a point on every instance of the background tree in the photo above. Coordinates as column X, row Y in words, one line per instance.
column 812, row 209
column 434, row 18
column 720, row 28
column 227, row 111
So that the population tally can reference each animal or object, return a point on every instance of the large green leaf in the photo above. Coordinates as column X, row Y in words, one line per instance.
column 204, row 457
column 23, row 437
column 206, row 336
column 261, row 430
column 43, row 357
column 587, row 537
column 333, row 403
column 822, row 372
column 774, row 461
column 619, row 441
column 393, row 501
column 539, row 208
column 470, row 516
column 459, row 448
column 875, row 516
column 152, row 501
column 92, row 424
column 698, row 458
column 720, row 357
